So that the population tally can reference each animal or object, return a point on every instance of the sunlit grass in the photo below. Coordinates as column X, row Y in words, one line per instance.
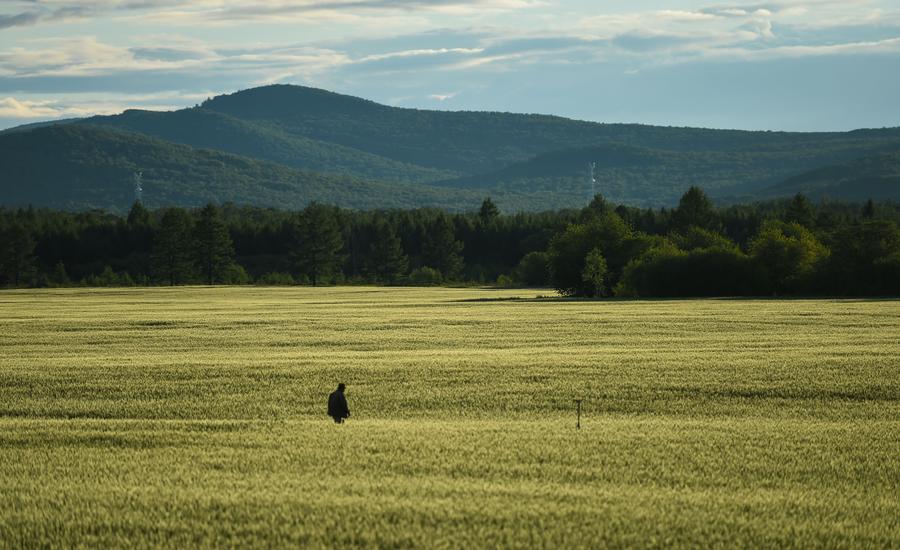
column 195, row 416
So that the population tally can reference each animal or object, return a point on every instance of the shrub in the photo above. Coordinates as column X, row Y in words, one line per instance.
column 425, row 276
column 276, row 278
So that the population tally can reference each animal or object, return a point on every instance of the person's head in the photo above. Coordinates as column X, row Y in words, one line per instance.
column 341, row 387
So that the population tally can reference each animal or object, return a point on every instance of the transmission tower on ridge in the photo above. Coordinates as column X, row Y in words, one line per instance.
column 138, row 186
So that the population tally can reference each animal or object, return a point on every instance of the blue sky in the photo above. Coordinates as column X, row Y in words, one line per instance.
column 790, row 65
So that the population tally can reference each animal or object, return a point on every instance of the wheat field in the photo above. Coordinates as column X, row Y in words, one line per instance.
column 196, row 417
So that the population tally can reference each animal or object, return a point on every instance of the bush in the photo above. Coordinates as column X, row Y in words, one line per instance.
column 788, row 254
column 702, row 272
column 235, row 274
column 425, row 276
column 276, row 278
column 505, row 281
column 533, row 270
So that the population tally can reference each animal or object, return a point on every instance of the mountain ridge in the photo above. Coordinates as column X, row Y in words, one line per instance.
column 428, row 158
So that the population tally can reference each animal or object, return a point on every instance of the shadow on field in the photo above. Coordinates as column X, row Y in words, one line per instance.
column 564, row 299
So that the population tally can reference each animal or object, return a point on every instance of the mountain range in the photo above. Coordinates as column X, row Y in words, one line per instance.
column 283, row 146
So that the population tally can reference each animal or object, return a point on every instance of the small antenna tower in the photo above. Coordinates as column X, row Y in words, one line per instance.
column 592, row 166
column 138, row 186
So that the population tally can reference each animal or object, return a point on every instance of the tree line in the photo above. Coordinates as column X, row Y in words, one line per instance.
column 792, row 247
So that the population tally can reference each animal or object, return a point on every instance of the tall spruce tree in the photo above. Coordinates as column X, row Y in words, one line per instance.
column 16, row 253
column 441, row 250
column 317, row 242
column 138, row 215
column 868, row 212
column 215, row 250
column 800, row 211
column 386, row 261
column 695, row 208
column 488, row 212
column 173, row 248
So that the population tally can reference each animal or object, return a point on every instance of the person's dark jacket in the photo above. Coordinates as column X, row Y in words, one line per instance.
column 337, row 405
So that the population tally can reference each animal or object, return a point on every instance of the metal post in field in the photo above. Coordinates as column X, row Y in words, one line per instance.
column 578, row 417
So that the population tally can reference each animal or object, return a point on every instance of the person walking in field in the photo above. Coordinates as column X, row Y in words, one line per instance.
column 337, row 405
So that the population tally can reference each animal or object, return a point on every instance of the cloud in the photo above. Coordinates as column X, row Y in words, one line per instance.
column 19, row 19
column 11, row 107
column 195, row 12
column 403, row 49
column 33, row 17
column 443, row 97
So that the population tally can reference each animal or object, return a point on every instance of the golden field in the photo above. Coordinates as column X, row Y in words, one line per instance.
column 196, row 416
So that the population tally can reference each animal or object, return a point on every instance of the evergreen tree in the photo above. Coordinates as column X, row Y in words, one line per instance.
column 441, row 250
column 599, row 205
column 800, row 211
column 386, row 261
column 317, row 242
column 695, row 208
column 488, row 212
column 59, row 276
column 16, row 253
column 215, row 250
column 868, row 212
column 138, row 216
column 173, row 248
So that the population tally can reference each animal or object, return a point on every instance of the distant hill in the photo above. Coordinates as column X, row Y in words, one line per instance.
column 435, row 158
column 207, row 129
column 876, row 177
column 649, row 177
column 81, row 167
column 472, row 143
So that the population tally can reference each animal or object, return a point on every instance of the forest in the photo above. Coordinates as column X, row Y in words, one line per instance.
column 781, row 247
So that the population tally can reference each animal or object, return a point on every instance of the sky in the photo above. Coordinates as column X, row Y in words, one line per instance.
column 800, row 65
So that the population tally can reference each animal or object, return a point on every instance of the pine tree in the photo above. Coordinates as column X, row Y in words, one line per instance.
column 441, row 250
column 173, row 248
column 317, row 242
column 694, row 208
column 488, row 212
column 60, row 277
column 868, row 212
column 215, row 250
column 138, row 216
column 800, row 211
column 16, row 253
column 387, row 261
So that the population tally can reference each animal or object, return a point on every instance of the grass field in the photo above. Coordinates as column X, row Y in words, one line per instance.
column 195, row 416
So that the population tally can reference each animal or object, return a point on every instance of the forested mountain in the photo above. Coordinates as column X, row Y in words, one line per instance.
column 79, row 167
column 651, row 177
column 207, row 129
column 428, row 158
column 875, row 177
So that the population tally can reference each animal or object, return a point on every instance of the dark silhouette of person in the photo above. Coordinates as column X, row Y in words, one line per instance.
column 337, row 405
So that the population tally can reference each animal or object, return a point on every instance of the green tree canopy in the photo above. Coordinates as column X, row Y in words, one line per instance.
column 787, row 253
column 16, row 253
column 863, row 259
column 695, row 237
column 317, row 242
column 215, row 250
column 441, row 250
column 799, row 210
column 386, row 261
column 488, row 212
column 696, row 209
column 173, row 258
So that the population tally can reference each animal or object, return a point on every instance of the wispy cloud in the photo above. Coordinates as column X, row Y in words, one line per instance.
column 403, row 50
